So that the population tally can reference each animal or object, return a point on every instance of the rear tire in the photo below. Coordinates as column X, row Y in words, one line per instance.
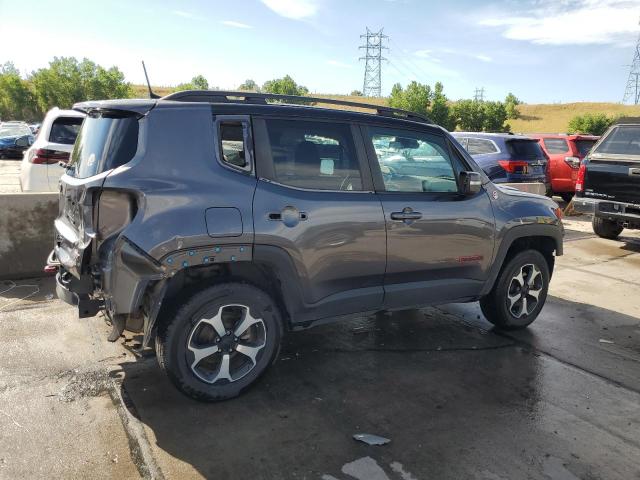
column 606, row 228
column 220, row 341
column 511, row 305
column 566, row 196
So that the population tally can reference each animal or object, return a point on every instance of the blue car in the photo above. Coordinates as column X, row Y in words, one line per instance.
column 508, row 159
column 15, row 138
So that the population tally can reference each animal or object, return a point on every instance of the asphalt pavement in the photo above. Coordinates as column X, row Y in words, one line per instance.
column 456, row 398
column 10, row 176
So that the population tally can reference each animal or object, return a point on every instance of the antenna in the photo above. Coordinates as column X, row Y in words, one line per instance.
column 373, row 47
column 151, row 94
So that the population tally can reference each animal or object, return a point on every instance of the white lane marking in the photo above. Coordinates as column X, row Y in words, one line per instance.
column 365, row 468
column 16, row 300
column 399, row 469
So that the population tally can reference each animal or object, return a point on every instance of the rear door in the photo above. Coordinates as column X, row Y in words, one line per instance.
column 315, row 209
column 613, row 171
column 439, row 242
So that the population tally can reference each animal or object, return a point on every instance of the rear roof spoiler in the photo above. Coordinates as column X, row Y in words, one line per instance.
column 131, row 106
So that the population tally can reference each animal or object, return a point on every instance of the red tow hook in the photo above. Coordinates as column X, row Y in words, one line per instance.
column 50, row 268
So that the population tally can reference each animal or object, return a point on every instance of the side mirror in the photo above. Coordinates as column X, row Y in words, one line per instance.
column 471, row 182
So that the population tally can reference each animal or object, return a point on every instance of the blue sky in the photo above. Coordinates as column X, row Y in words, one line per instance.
column 542, row 50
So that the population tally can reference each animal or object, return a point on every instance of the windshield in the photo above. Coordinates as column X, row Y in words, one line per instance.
column 14, row 130
column 622, row 140
column 104, row 143
column 584, row 146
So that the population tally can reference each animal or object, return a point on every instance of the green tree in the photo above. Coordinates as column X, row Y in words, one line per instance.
column 356, row 93
column 249, row 86
column 197, row 83
column 469, row 115
column 440, row 111
column 284, row 86
column 511, row 103
column 495, row 114
column 415, row 98
column 16, row 98
column 590, row 123
column 67, row 81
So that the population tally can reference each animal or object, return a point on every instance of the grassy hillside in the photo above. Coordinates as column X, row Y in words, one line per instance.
column 541, row 118
column 554, row 118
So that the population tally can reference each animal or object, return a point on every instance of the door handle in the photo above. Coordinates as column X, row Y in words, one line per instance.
column 407, row 215
column 290, row 216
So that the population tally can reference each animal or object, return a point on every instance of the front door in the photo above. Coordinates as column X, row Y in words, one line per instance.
column 439, row 242
column 317, row 218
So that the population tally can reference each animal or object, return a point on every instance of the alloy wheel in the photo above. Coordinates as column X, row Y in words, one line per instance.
column 524, row 291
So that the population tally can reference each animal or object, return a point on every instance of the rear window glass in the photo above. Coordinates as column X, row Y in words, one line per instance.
column 65, row 130
column 104, row 143
column 480, row 146
column 524, row 149
column 584, row 146
column 556, row 145
column 623, row 140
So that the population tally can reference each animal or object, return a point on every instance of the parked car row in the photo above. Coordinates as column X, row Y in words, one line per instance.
column 537, row 163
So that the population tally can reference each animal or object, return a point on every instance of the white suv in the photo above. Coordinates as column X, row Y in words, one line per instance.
column 40, row 170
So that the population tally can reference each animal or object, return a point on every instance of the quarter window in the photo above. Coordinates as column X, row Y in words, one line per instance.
column 314, row 155
column 556, row 145
column 413, row 162
column 232, row 144
column 480, row 146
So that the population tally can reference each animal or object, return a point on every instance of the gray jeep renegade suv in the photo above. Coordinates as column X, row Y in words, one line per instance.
column 213, row 222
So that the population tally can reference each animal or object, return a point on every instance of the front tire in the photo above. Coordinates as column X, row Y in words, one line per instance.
column 519, row 293
column 606, row 228
column 220, row 341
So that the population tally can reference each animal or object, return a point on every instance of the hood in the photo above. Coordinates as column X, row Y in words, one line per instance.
column 8, row 140
column 514, row 192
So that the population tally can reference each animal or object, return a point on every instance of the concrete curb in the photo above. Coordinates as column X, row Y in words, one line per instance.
column 26, row 233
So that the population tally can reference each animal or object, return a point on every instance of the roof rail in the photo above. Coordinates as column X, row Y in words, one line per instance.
column 215, row 96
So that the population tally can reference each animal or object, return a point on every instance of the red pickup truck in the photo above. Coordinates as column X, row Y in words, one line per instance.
column 565, row 153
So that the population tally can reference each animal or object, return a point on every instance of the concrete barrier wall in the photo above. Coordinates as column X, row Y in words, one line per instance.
column 26, row 233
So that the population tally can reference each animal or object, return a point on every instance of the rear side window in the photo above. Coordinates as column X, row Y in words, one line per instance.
column 314, row 155
column 584, row 146
column 556, row 145
column 232, row 144
column 524, row 149
column 103, row 143
column 65, row 130
column 622, row 140
column 480, row 146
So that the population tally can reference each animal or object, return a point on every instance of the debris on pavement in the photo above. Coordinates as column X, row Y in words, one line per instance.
column 371, row 439
column 604, row 340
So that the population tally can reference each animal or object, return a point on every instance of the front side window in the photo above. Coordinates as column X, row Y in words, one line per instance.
column 556, row 145
column 413, row 162
column 314, row 155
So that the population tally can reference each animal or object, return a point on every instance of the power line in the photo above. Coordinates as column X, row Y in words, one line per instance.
column 632, row 90
column 372, row 85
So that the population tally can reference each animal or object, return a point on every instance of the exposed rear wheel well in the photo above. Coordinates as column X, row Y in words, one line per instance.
column 190, row 281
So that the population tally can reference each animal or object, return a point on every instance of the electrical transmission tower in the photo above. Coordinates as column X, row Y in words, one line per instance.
column 372, row 86
column 632, row 92
column 479, row 94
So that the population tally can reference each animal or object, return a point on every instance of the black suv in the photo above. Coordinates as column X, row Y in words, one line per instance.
column 608, row 184
column 213, row 222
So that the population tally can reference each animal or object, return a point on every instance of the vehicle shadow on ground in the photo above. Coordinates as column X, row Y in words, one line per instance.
column 448, row 394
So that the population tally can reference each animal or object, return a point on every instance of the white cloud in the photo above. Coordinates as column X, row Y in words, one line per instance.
column 427, row 54
column 336, row 63
column 233, row 23
column 182, row 13
column 483, row 58
column 294, row 9
column 572, row 22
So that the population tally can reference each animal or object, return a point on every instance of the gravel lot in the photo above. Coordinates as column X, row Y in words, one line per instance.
column 457, row 399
